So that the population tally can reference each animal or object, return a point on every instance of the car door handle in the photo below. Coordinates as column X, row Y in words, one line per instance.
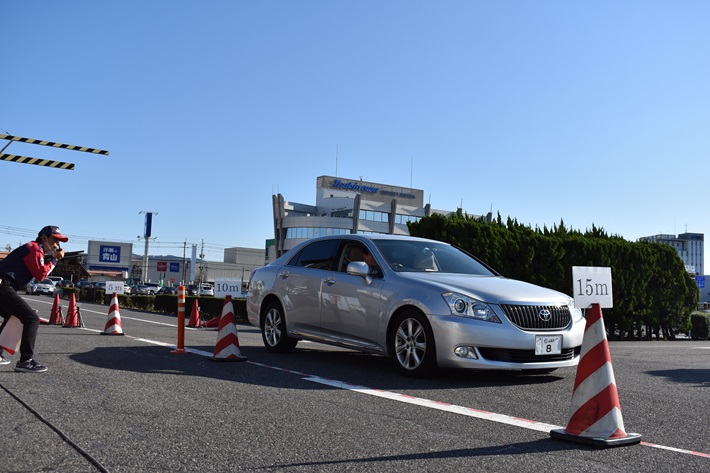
column 283, row 274
column 329, row 281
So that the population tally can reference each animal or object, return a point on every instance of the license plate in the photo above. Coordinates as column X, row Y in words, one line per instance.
column 548, row 344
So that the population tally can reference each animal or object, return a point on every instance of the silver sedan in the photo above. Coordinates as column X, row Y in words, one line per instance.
column 423, row 303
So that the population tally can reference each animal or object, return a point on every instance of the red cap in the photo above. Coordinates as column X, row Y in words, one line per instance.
column 51, row 230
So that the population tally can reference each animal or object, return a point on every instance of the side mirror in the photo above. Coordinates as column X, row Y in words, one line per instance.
column 358, row 268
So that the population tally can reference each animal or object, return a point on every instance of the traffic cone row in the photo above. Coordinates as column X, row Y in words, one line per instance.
column 113, row 324
column 227, row 348
column 595, row 415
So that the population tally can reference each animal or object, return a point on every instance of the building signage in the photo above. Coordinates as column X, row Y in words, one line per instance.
column 351, row 186
column 162, row 266
column 174, row 267
column 109, row 254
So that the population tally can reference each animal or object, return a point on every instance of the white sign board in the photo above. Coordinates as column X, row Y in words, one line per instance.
column 592, row 286
column 227, row 287
column 114, row 287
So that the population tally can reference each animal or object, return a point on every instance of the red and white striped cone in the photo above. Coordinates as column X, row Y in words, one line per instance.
column 227, row 348
column 595, row 415
column 72, row 318
column 113, row 324
column 55, row 316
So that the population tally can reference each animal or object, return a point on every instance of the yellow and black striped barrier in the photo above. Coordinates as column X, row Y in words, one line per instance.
column 37, row 161
column 44, row 162
column 53, row 144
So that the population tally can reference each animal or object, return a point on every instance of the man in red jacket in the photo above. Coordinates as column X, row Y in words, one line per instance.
column 35, row 259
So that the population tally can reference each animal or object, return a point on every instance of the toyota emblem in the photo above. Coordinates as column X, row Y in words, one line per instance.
column 545, row 315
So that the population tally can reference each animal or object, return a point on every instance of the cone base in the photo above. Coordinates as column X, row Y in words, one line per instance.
column 597, row 442
column 113, row 333
column 234, row 358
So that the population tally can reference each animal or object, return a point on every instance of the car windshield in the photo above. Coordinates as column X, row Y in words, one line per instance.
column 417, row 256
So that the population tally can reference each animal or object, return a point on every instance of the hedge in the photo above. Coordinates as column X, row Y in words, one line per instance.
column 700, row 326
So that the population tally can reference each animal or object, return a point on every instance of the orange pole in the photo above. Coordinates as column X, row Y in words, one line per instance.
column 180, row 322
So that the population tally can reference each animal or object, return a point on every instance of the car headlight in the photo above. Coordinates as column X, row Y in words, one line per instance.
column 464, row 306
column 576, row 312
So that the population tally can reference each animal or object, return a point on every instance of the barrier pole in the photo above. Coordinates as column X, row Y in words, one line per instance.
column 180, row 322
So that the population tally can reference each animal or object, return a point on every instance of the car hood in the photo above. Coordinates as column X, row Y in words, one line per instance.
column 491, row 289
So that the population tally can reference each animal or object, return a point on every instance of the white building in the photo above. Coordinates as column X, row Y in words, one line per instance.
column 345, row 206
column 690, row 248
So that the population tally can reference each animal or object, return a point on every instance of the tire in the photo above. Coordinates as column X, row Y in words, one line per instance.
column 412, row 346
column 273, row 330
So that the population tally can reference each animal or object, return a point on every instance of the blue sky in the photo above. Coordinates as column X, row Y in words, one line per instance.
column 589, row 112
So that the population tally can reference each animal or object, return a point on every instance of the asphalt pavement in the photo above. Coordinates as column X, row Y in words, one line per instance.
column 130, row 404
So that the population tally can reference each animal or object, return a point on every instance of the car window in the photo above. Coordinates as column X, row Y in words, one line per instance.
column 427, row 256
column 318, row 255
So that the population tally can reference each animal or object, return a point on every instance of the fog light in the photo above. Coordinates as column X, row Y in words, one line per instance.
column 465, row 352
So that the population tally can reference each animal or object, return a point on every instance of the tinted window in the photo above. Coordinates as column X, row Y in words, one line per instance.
column 318, row 255
column 430, row 256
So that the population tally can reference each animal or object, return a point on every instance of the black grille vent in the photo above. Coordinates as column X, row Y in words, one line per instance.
column 527, row 356
column 532, row 317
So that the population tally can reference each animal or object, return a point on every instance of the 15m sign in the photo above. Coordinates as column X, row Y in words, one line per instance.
column 592, row 285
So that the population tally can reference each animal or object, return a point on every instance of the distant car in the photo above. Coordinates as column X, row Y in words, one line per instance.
column 143, row 290
column 56, row 279
column 169, row 290
column 100, row 285
column 206, row 290
column 84, row 284
column 45, row 286
column 126, row 289
column 191, row 290
column 423, row 303
column 65, row 283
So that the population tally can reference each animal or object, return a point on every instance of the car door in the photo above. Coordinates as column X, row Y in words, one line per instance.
column 350, row 314
column 301, row 281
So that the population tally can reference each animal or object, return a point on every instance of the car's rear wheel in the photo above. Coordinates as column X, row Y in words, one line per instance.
column 273, row 330
column 412, row 344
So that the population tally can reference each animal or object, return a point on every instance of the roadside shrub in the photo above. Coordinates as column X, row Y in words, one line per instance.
column 700, row 326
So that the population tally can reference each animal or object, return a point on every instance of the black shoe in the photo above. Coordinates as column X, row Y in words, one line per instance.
column 30, row 366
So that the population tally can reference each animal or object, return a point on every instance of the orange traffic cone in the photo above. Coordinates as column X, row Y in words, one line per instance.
column 72, row 319
column 227, row 348
column 56, row 317
column 43, row 321
column 595, row 415
column 194, row 315
column 113, row 324
column 212, row 323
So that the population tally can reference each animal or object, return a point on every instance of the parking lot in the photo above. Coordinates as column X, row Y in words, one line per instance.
column 127, row 404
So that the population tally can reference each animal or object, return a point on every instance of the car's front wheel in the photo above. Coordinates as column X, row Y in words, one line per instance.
column 412, row 344
column 273, row 330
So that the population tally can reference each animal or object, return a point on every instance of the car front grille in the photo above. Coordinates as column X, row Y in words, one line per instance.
column 527, row 356
column 528, row 317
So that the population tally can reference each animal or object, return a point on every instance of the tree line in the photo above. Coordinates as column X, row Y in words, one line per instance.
column 653, row 293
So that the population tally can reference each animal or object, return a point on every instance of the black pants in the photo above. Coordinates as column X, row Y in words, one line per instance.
column 12, row 304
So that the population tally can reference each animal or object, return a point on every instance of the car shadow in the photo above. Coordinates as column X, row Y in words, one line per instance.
column 699, row 377
column 351, row 367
